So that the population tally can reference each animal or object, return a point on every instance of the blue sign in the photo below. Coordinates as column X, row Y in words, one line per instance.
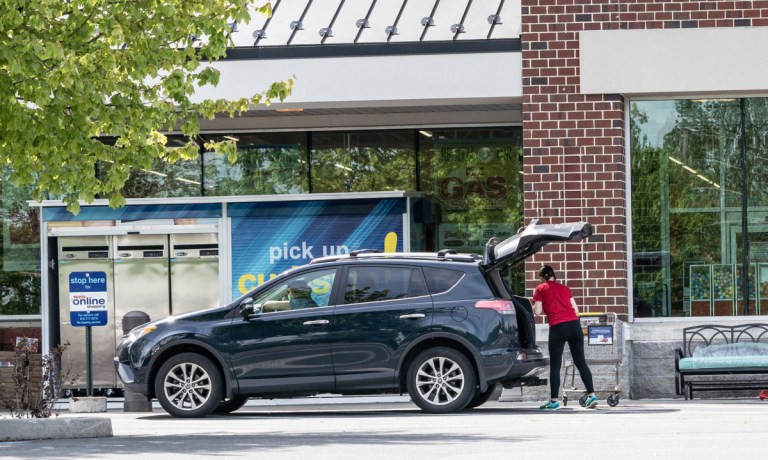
column 269, row 238
column 88, row 298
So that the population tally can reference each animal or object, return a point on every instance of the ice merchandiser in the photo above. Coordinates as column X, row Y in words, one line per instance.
column 141, row 277
column 194, row 272
column 87, row 254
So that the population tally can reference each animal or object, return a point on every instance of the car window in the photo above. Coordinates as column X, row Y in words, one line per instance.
column 440, row 279
column 418, row 286
column 308, row 290
column 369, row 284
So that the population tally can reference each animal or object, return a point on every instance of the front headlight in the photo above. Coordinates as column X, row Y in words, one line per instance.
column 139, row 332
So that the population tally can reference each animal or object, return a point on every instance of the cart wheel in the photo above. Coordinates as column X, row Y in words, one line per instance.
column 583, row 401
column 565, row 400
column 613, row 400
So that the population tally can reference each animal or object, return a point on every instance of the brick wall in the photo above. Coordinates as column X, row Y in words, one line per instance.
column 574, row 144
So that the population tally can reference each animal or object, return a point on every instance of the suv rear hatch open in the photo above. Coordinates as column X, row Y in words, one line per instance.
column 529, row 240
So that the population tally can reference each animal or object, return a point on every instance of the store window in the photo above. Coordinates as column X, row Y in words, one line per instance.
column 267, row 164
column 363, row 161
column 699, row 207
column 182, row 178
column 473, row 177
column 20, row 256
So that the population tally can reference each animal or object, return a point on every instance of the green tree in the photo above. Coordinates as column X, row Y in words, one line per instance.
column 74, row 71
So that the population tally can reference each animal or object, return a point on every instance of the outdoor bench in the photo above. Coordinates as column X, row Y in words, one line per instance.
column 721, row 358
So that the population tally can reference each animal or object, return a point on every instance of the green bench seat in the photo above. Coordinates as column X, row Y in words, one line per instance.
column 723, row 362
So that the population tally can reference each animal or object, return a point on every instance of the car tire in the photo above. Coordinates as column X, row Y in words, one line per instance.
column 189, row 385
column 481, row 398
column 230, row 405
column 441, row 380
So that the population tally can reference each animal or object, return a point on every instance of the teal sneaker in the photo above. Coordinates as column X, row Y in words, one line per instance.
column 550, row 405
column 591, row 402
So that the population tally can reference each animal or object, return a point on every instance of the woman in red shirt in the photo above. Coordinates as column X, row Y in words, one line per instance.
column 555, row 300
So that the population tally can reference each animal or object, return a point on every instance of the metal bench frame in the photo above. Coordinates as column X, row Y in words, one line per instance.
column 709, row 334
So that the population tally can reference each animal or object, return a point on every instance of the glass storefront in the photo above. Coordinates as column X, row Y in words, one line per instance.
column 362, row 161
column 471, row 179
column 699, row 207
column 267, row 164
column 20, row 256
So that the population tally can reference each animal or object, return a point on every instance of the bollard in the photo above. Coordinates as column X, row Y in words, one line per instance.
column 134, row 319
column 136, row 402
column 132, row 401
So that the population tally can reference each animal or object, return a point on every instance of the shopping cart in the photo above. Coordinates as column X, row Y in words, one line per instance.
column 603, row 346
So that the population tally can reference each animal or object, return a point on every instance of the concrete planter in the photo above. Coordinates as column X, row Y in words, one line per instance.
column 25, row 429
column 87, row 404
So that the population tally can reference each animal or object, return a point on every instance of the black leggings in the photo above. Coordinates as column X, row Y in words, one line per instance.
column 559, row 334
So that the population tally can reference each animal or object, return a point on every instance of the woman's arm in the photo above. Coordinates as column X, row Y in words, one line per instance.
column 538, row 308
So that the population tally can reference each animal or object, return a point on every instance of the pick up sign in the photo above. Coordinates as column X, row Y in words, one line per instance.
column 88, row 298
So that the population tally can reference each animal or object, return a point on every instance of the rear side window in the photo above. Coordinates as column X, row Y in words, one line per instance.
column 440, row 280
column 370, row 284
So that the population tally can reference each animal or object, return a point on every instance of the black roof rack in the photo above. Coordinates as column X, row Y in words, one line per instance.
column 445, row 252
column 357, row 252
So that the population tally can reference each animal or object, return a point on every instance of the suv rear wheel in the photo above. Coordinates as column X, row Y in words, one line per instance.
column 441, row 380
column 189, row 385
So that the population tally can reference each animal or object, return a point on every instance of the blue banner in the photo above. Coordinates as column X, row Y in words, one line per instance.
column 269, row 238
column 136, row 212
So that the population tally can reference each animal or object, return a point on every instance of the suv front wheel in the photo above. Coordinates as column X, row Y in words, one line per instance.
column 441, row 380
column 189, row 385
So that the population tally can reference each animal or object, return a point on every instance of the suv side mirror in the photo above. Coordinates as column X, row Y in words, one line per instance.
column 246, row 308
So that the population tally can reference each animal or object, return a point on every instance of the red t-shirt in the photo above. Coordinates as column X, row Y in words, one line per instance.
column 556, row 300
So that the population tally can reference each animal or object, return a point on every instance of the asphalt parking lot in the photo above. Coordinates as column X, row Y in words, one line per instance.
column 387, row 427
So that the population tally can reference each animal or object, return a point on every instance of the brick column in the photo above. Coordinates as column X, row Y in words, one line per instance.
column 573, row 160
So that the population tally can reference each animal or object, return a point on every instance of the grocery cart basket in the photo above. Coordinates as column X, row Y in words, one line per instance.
column 603, row 346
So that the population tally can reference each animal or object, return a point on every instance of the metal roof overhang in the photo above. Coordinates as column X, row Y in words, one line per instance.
column 374, row 85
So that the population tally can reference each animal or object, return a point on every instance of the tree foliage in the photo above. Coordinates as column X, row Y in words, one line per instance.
column 73, row 71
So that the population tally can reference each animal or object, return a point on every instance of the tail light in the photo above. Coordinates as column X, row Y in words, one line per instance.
column 502, row 307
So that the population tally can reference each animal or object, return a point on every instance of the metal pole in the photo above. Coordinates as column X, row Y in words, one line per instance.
column 88, row 364
column 744, row 203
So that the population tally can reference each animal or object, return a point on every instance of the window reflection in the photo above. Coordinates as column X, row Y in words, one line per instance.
column 363, row 161
column 267, row 164
column 688, row 197
column 20, row 254
column 182, row 178
column 473, row 178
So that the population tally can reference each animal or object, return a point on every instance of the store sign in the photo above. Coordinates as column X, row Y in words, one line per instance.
column 88, row 298
column 269, row 238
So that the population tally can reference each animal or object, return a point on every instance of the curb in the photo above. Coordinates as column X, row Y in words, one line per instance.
column 26, row 429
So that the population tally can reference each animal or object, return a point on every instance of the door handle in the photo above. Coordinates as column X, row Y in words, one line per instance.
column 413, row 316
column 317, row 322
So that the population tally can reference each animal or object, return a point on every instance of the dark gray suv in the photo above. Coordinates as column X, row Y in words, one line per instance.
column 442, row 327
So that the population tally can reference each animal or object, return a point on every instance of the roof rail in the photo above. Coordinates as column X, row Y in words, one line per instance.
column 445, row 254
column 357, row 252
